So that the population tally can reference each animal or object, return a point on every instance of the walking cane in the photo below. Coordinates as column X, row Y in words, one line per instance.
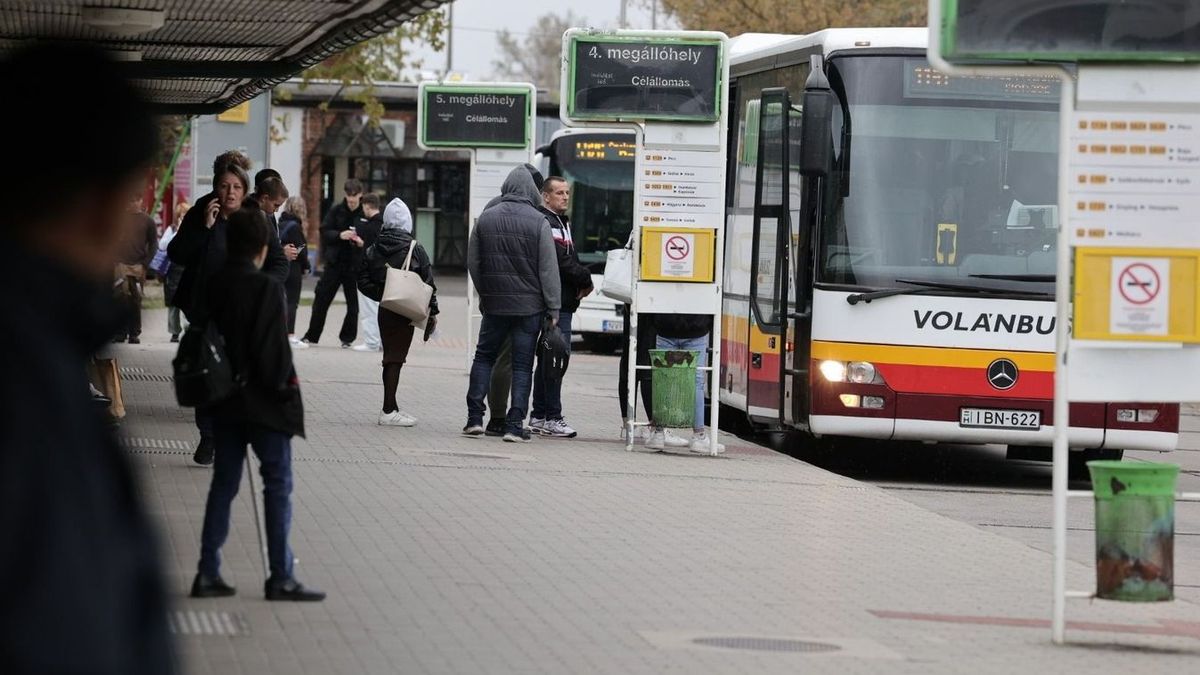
column 262, row 540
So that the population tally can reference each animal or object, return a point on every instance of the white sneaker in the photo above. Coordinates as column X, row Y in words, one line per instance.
column 701, row 443
column 297, row 343
column 657, row 440
column 396, row 419
column 674, row 440
column 537, row 425
column 365, row 348
column 558, row 429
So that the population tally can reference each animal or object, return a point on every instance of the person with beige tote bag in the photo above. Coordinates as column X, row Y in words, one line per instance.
column 398, row 273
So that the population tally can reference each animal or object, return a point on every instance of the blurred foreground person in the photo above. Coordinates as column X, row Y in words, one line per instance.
column 83, row 592
column 264, row 413
column 391, row 249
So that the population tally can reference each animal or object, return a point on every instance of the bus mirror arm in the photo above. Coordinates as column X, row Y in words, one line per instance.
column 816, row 125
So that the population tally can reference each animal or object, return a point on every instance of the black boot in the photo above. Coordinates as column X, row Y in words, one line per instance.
column 292, row 590
column 205, row 451
column 211, row 587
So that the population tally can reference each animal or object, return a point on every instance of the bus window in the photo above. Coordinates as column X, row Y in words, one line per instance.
column 599, row 168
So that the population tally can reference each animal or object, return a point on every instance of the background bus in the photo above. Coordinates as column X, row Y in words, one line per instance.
column 598, row 164
column 902, row 287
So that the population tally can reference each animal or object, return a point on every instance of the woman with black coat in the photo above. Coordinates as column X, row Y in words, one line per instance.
column 396, row 331
column 291, row 231
column 264, row 413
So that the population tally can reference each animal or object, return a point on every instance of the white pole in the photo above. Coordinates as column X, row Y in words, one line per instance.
column 1062, row 339
column 1062, row 291
column 636, row 240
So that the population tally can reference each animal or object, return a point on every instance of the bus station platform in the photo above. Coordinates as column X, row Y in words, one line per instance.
column 445, row 554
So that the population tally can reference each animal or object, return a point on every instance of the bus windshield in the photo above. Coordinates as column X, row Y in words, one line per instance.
column 940, row 178
column 599, row 168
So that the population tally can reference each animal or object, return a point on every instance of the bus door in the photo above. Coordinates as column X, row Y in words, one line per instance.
column 779, row 250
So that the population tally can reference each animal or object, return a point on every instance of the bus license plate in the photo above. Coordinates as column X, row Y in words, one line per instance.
column 989, row 418
column 613, row 326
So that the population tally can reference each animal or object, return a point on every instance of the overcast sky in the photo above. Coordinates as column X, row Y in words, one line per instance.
column 476, row 23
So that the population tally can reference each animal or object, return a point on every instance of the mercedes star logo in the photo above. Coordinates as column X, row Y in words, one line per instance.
column 1002, row 374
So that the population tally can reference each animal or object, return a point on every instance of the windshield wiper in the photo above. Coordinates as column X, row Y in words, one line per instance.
column 1044, row 278
column 930, row 286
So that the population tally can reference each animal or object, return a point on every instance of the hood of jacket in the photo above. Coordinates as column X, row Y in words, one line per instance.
column 396, row 216
column 519, row 186
column 392, row 241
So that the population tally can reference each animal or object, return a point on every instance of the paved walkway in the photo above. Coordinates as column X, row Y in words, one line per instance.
column 444, row 554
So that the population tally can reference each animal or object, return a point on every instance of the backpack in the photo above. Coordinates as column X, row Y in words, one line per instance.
column 203, row 374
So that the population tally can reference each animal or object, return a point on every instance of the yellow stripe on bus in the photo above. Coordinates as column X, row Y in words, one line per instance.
column 929, row 356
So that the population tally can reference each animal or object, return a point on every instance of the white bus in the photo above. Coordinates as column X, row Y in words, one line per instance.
column 890, row 252
column 598, row 165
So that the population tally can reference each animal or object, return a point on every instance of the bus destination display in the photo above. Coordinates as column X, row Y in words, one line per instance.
column 1070, row 30
column 605, row 150
column 460, row 117
column 645, row 79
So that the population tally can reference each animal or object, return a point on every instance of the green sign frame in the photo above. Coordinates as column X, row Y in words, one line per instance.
column 950, row 49
column 467, row 90
column 718, row 86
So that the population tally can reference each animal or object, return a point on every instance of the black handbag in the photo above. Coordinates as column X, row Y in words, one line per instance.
column 553, row 352
column 203, row 374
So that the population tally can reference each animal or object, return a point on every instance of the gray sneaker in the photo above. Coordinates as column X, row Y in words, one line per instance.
column 558, row 429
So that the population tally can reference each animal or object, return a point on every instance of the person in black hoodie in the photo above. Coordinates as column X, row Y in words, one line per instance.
column 368, row 310
column 291, row 234
column 264, row 413
column 546, row 417
column 78, row 553
column 391, row 249
column 340, row 248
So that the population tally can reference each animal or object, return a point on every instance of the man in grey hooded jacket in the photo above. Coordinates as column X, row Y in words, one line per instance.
column 514, row 266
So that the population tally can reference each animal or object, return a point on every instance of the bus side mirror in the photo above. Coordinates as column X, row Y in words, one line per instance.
column 816, row 125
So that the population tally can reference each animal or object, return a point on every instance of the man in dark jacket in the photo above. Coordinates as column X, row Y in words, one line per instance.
column 84, row 591
column 513, row 263
column 141, row 243
column 547, row 417
column 265, row 412
column 340, row 249
column 368, row 229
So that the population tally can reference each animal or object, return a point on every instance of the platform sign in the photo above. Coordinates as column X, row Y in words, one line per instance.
column 476, row 117
column 493, row 121
column 671, row 89
column 615, row 77
column 1070, row 30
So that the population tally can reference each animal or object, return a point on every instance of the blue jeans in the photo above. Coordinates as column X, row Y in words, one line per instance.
column 699, row 344
column 547, row 396
column 492, row 332
column 274, row 450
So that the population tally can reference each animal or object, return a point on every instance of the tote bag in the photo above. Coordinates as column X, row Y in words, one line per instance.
column 618, row 275
column 406, row 293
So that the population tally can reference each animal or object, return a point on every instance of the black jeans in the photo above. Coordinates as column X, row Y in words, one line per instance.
column 292, row 290
column 327, row 287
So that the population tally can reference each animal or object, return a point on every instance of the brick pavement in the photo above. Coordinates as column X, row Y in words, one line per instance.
column 443, row 554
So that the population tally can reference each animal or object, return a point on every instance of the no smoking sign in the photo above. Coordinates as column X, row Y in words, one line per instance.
column 1140, row 296
column 678, row 257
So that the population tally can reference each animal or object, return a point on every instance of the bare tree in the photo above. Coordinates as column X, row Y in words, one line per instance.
column 536, row 56
column 793, row 16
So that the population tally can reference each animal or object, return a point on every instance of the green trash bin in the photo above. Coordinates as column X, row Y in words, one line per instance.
column 1135, row 530
column 674, row 385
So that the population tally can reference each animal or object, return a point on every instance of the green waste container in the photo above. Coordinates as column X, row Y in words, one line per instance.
column 674, row 385
column 1135, row 530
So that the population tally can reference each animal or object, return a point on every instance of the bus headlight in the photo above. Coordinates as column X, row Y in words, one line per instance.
column 860, row 372
column 834, row 371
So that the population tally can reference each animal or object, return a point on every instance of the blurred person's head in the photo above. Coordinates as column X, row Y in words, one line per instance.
column 296, row 206
column 270, row 192
column 556, row 193
column 353, row 189
column 181, row 210
column 94, row 168
column 235, row 157
column 135, row 203
column 231, row 185
column 264, row 174
column 370, row 204
column 247, row 234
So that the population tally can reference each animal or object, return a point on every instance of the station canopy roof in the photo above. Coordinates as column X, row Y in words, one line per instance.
column 205, row 56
